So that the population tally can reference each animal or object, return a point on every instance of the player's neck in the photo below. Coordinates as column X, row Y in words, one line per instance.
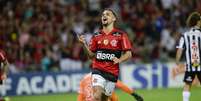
column 108, row 29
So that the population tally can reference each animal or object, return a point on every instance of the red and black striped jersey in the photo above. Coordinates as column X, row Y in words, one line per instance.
column 108, row 46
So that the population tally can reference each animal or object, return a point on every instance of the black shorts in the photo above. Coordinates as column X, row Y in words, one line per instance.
column 190, row 76
column 1, row 82
column 105, row 75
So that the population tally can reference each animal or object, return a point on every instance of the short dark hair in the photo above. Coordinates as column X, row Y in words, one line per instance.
column 192, row 19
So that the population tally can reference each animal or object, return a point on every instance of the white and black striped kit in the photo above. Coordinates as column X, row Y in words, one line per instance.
column 190, row 41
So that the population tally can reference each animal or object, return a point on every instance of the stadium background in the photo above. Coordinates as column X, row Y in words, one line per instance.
column 47, row 61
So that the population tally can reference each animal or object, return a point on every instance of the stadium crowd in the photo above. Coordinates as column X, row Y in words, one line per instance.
column 41, row 35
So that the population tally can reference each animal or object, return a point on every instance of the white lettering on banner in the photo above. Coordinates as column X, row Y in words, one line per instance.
column 154, row 75
column 23, row 86
column 76, row 78
column 5, row 87
column 37, row 84
column 34, row 85
column 131, row 81
column 135, row 76
column 49, row 85
column 63, row 83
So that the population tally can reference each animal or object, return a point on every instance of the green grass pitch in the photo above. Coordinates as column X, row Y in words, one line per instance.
column 165, row 94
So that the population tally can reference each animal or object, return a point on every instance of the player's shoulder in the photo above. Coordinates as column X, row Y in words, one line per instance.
column 192, row 30
column 118, row 31
column 186, row 33
column 97, row 33
column 196, row 29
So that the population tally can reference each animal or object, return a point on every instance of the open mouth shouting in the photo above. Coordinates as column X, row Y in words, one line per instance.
column 104, row 20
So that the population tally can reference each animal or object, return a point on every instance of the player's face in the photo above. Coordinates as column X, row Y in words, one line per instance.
column 107, row 18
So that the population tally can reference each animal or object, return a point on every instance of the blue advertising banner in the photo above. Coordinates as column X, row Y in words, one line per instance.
column 147, row 76
column 41, row 83
column 155, row 75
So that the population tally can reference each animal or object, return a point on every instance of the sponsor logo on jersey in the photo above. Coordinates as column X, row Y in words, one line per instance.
column 105, row 42
column 113, row 43
column 105, row 56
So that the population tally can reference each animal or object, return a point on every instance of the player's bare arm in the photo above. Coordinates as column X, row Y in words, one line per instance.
column 127, row 55
column 83, row 41
column 5, row 69
column 178, row 55
column 177, row 70
column 6, row 64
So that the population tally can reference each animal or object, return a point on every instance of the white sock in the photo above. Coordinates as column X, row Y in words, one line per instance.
column 186, row 95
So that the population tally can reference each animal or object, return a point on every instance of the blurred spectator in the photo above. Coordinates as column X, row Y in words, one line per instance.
column 41, row 35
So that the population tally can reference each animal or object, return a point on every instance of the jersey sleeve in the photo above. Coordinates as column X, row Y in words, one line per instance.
column 92, row 44
column 180, row 43
column 126, row 44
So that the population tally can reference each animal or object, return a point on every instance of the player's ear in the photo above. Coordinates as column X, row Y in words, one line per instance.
column 114, row 19
column 199, row 23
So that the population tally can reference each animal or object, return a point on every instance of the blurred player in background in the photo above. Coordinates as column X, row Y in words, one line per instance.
column 190, row 44
column 3, row 71
column 86, row 92
column 106, row 48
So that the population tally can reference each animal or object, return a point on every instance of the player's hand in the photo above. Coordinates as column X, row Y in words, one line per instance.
column 179, row 69
column 116, row 60
column 81, row 39
column 175, row 72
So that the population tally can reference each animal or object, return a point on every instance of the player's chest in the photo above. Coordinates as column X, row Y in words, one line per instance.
column 108, row 41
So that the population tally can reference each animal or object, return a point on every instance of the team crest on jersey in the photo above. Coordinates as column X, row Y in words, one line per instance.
column 105, row 42
column 113, row 43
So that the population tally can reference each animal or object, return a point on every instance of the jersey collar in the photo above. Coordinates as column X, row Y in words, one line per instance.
column 114, row 29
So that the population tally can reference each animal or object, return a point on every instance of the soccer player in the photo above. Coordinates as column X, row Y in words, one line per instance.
column 3, row 66
column 3, row 71
column 108, row 47
column 190, row 44
column 86, row 92
column 181, row 70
